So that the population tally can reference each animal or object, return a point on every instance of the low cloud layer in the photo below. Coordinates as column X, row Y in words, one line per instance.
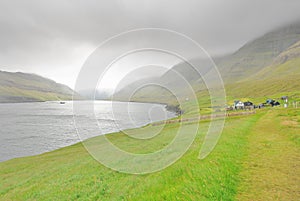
column 53, row 38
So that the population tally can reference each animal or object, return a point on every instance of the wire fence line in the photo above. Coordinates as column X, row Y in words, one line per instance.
column 202, row 117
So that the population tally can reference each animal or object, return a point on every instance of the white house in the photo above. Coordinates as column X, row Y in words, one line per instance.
column 238, row 105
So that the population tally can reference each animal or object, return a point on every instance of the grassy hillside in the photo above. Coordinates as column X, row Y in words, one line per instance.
column 167, row 88
column 268, row 67
column 287, row 63
column 265, row 167
column 258, row 53
column 278, row 79
column 23, row 87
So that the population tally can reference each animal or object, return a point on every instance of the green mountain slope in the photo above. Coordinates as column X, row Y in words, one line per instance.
column 268, row 66
column 279, row 78
column 175, row 80
column 258, row 53
column 23, row 87
column 285, row 64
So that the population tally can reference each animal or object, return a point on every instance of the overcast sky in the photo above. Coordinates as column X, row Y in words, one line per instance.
column 53, row 38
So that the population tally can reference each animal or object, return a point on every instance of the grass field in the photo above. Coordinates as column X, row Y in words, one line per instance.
column 257, row 158
column 272, row 167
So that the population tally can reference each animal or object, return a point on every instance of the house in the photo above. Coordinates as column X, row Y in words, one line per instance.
column 248, row 105
column 269, row 101
column 261, row 105
column 275, row 103
column 238, row 105
column 272, row 102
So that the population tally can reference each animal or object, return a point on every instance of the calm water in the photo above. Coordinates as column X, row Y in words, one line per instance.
column 34, row 128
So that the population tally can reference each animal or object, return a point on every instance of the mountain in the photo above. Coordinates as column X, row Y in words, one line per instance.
column 286, row 64
column 176, row 80
column 257, row 54
column 92, row 94
column 24, row 87
column 264, row 66
column 281, row 76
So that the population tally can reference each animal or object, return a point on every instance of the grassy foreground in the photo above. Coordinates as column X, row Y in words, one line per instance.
column 257, row 158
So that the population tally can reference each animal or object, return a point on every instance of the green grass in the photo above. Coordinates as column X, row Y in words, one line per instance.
column 72, row 174
column 271, row 170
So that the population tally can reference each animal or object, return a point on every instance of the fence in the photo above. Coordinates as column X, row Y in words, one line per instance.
column 195, row 119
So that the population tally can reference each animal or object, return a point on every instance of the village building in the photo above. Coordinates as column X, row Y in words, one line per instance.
column 238, row 105
column 248, row 105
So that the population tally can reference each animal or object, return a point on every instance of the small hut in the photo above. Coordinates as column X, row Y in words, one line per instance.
column 284, row 98
column 285, row 101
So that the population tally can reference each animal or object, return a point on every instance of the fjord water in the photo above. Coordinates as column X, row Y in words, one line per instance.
column 33, row 128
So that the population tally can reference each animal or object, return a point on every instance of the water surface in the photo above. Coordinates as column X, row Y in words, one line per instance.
column 34, row 128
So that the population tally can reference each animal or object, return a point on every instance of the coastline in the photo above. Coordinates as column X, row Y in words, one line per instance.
column 79, row 140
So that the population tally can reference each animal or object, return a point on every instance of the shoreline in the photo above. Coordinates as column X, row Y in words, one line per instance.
column 169, row 107
column 109, row 133
column 168, row 121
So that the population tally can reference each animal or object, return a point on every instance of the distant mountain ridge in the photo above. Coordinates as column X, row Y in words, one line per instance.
column 267, row 65
column 258, row 53
column 25, row 87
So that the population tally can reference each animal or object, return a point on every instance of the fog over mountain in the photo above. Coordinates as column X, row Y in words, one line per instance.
column 54, row 38
column 267, row 65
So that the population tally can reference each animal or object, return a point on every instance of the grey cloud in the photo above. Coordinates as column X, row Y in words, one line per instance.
column 46, row 36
